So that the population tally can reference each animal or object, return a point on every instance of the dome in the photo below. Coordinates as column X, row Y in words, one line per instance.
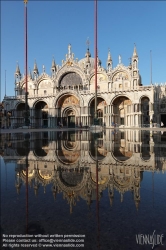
column 82, row 63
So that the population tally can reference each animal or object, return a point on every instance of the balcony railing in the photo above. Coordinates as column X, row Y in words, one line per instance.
column 80, row 91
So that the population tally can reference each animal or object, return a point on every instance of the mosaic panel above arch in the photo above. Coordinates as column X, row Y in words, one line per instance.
column 120, row 75
column 100, row 78
column 68, row 100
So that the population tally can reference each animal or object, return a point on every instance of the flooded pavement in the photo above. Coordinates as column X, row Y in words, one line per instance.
column 90, row 191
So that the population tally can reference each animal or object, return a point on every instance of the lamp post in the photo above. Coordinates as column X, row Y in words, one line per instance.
column 95, row 113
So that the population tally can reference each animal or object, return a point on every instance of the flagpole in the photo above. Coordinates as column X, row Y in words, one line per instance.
column 5, row 82
column 26, row 67
column 95, row 113
column 150, row 67
column 26, row 111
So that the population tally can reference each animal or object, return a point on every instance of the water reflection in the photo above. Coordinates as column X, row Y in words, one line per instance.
column 67, row 160
column 85, row 166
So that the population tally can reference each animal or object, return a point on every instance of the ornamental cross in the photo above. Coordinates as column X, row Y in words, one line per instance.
column 87, row 42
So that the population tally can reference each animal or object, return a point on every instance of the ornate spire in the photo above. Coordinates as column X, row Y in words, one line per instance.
column 135, row 51
column 53, row 65
column 53, row 68
column 17, row 70
column 35, row 69
column 88, row 55
column 109, row 59
column 35, row 65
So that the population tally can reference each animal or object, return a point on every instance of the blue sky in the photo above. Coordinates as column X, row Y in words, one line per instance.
column 52, row 25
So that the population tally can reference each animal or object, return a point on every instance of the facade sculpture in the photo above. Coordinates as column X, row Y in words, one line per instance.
column 126, row 101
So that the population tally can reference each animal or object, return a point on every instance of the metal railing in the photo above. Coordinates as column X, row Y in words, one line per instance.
column 81, row 91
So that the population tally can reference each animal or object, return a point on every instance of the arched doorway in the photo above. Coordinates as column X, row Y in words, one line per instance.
column 122, row 107
column 70, row 116
column 19, row 114
column 163, row 112
column 101, row 103
column 41, row 114
column 68, row 111
column 145, row 110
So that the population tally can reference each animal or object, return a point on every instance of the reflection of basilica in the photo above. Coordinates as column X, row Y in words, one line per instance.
column 68, row 162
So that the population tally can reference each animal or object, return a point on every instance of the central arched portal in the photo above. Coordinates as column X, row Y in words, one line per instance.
column 69, row 106
column 70, row 116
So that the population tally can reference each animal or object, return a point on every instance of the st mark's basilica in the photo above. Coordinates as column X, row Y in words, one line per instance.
column 67, row 95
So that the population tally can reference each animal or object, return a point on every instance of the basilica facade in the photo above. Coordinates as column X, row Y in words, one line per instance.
column 67, row 95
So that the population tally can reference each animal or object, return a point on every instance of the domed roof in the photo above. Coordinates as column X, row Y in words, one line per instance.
column 82, row 63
